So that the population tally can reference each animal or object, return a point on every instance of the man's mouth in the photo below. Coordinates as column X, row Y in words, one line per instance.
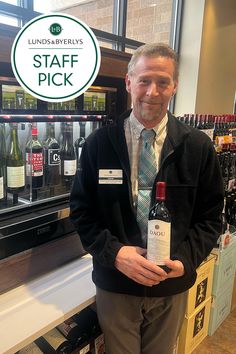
column 152, row 103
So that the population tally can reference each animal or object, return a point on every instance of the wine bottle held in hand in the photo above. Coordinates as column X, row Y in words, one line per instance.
column 159, row 229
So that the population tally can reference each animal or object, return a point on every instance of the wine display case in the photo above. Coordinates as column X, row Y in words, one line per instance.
column 39, row 155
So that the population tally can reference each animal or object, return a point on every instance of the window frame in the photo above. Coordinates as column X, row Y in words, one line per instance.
column 24, row 12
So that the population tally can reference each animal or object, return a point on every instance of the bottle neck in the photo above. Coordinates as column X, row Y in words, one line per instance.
column 82, row 129
column 2, row 141
column 34, row 133
column 50, row 131
column 161, row 191
column 68, row 135
column 14, row 136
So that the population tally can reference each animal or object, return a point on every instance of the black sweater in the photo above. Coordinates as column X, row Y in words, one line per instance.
column 105, row 219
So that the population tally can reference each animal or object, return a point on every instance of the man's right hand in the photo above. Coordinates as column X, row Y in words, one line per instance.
column 131, row 261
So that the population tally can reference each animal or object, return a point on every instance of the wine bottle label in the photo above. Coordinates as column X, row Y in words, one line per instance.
column 15, row 176
column 69, row 167
column 34, row 166
column 1, row 188
column 67, row 326
column 85, row 349
column 99, row 344
column 79, row 151
column 54, row 338
column 54, row 158
column 32, row 348
column 158, row 242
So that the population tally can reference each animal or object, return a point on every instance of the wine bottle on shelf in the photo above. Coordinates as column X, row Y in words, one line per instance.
column 54, row 342
column 15, row 164
column 52, row 158
column 34, row 160
column 2, row 162
column 159, row 229
column 225, row 166
column 70, row 329
column 80, row 142
column 32, row 348
column 68, row 156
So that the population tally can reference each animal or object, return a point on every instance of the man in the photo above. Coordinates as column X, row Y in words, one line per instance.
column 141, row 305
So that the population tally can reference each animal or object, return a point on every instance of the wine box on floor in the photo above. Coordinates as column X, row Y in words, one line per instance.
column 220, row 308
column 194, row 328
column 225, row 264
column 233, row 303
column 201, row 290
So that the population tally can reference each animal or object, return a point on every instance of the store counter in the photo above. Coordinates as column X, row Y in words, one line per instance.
column 32, row 309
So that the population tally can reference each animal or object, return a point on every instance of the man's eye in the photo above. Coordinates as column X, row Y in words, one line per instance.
column 163, row 83
column 143, row 81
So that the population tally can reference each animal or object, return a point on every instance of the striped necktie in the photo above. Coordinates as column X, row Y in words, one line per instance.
column 147, row 170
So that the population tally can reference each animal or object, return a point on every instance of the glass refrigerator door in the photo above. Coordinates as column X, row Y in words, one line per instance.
column 39, row 157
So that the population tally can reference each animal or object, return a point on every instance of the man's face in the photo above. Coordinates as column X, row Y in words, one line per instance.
column 151, row 86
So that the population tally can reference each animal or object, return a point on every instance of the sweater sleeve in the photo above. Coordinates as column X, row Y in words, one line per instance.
column 96, row 238
column 206, row 223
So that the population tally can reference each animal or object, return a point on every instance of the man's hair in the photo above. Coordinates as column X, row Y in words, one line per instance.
column 154, row 50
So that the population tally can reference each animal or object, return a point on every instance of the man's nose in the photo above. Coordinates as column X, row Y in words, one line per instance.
column 152, row 90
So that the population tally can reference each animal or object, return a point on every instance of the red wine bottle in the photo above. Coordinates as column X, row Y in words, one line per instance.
column 34, row 160
column 54, row 342
column 159, row 228
column 80, row 142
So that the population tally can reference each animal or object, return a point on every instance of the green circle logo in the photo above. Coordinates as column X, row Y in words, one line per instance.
column 55, row 29
column 61, row 54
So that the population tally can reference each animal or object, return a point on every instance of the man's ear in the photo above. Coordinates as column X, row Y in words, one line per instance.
column 175, row 88
column 127, row 83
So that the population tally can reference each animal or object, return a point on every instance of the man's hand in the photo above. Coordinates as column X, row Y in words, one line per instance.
column 176, row 268
column 131, row 261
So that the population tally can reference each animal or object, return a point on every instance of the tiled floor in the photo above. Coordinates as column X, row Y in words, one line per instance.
column 223, row 340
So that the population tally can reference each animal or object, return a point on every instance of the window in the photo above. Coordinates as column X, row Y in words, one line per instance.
column 149, row 21
column 9, row 20
column 13, row 2
column 95, row 13
column 118, row 24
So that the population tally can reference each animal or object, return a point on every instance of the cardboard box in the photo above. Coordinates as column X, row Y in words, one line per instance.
column 233, row 302
column 175, row 350
column 225, row 265
column 201, row 290
column 220, row 308
column 194, row 328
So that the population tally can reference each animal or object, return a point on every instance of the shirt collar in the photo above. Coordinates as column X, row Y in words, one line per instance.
column 137, row 127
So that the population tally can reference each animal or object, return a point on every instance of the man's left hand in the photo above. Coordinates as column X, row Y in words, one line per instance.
column 176, row 268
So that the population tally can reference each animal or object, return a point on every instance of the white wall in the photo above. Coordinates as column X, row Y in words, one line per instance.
column 207, row 81
column 191, row 36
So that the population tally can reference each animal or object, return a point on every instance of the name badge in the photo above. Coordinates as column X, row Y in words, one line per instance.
column 110, row 176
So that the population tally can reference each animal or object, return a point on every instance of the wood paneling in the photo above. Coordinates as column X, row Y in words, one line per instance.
column 5, row 48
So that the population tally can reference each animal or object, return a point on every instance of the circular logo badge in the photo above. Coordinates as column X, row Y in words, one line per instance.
column 55, row 57
column 55, row 29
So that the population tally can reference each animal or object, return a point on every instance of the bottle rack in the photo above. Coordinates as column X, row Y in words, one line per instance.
column 38, row 162
column 222, row 131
